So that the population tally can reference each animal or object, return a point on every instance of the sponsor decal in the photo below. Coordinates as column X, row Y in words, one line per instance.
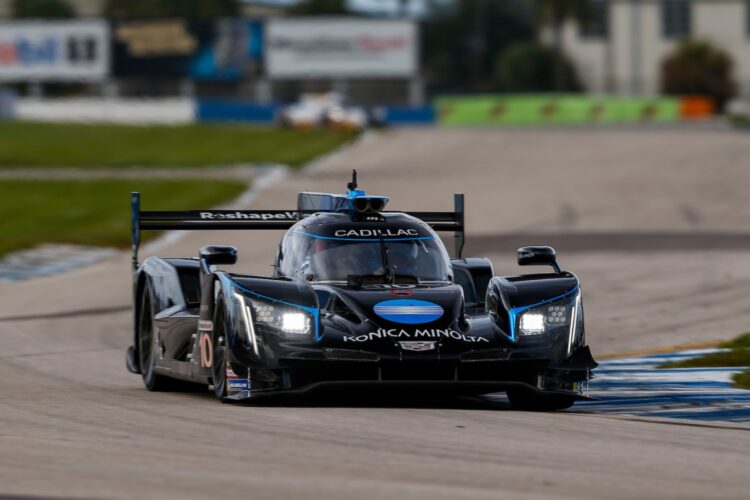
column 375, row 233
column 248, row 216
column 207, row 355
column 408, row 311
column 431, row 333
column 241, row 384
column 418, row 345
column 205, row 326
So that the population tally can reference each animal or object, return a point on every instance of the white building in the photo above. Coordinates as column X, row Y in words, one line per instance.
column 621, row 47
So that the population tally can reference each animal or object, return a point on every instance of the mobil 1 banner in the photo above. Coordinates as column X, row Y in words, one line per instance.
column 340, row 48
column 54, row 51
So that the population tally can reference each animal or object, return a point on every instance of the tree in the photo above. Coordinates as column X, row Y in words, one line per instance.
column 697, row 67
column 42, row 9
column 461, row 40
column 319, row 7
column 201, row 10
column 555, row 13
column 529, row 66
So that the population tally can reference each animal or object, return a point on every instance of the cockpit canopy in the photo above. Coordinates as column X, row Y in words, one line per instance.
column 333, row 248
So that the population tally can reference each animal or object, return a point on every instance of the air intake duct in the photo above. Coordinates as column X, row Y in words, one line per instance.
column 366, row 204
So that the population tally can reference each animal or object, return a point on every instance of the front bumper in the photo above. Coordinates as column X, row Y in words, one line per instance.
column 481, row 373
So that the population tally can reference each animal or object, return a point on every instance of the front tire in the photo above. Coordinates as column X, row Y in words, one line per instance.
column 147, row 352
column 527, row 400
column 219, row 367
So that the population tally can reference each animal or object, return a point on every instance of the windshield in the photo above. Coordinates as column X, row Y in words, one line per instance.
column 321, row 259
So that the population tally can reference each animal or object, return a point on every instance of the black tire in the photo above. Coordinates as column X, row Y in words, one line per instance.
column 526, row 400
column 147, row 355
column 219, row 369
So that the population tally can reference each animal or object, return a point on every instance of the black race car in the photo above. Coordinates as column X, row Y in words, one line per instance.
column 360, row 299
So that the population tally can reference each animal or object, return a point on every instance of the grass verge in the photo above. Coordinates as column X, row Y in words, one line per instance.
column 94, row 212
column 737, row 354
column 31, row 144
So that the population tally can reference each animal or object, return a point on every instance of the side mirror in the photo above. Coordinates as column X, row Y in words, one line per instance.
column 538, row 256
column 214, row 255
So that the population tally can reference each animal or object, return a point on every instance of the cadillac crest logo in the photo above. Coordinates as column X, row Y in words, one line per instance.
column 417, row 345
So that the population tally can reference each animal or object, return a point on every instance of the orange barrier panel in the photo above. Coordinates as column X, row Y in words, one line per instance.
column 696, row 107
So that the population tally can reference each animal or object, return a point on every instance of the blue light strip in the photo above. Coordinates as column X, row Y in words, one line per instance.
column 312, row 310
column 414, row 238
column 515, row 311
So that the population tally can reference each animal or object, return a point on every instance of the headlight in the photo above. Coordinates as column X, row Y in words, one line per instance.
column 545, row 317
column 288, row 319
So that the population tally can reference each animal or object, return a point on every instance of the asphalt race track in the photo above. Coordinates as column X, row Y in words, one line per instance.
column 653, row 221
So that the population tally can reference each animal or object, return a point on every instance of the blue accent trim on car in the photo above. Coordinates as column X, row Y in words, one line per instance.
column 408, row 311
column 355, row 193
column 334, row 238
column 312, row 310
column 515, row 311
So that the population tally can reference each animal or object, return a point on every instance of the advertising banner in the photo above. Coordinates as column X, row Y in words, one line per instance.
column 156, row 47
column 340, row 48
column 54, row 51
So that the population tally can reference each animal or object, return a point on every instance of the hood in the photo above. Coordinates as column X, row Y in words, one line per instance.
column 403, row 321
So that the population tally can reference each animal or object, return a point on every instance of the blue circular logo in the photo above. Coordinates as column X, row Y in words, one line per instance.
column 408, row 311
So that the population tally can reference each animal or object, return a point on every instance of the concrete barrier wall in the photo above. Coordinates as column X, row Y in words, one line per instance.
column 489, row 110
column 521, row 110
column 171, row 111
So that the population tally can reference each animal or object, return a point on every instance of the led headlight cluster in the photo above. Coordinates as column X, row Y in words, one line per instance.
column 557, row 314
column 536, row 321
column 285, row 318
column 540, row 319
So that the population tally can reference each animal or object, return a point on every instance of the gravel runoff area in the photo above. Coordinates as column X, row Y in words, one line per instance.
column 77, row 424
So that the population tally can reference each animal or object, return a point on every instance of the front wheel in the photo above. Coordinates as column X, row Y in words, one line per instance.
column 219, row 366
column 148, row 350
column 526, row 400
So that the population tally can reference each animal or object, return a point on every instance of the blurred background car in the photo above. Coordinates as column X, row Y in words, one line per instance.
column 323, row 110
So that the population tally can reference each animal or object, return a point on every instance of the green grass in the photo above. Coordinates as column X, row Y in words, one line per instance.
column 740, row 121
column 31, row 144
column 743, row 341
column 742, row 379
column 737, row 354
column 93, row 212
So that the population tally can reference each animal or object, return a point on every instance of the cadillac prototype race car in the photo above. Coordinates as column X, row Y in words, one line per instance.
column 360, row 298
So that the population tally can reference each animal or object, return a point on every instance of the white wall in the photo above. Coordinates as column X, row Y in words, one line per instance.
column 591, row 59
column 172, row 111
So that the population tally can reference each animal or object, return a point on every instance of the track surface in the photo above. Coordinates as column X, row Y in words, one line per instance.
column 75, row 423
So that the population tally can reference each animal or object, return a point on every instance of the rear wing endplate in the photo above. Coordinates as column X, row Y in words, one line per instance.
column 264, row 220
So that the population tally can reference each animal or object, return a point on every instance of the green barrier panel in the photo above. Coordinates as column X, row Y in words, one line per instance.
column 556, row 109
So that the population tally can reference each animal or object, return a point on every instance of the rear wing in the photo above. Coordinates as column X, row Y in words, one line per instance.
column 264, row 220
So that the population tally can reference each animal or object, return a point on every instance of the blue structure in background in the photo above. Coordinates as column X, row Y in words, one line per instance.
column 397, row 115
column 241, row 111
column 238, row 42
column 213, row 110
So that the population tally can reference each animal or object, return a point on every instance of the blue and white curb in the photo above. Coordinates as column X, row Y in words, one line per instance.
column 50, row 259
column 635, row 386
